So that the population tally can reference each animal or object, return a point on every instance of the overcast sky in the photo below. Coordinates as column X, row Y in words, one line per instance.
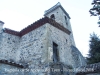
column 18, row 14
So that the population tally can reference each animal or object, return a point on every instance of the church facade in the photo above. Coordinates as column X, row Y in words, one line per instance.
column 41, row 48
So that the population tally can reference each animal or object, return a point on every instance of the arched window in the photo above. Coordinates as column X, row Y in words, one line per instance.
column 52, row 16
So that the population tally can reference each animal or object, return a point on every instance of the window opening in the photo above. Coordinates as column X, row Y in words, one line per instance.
column 66, row 20
column 52, row 16
column 55, row 52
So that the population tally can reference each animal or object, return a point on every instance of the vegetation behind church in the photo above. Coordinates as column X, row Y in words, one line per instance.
column 95, row 10
column 94, row 51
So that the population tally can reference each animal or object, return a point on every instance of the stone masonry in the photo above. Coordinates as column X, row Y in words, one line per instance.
column 31, row 52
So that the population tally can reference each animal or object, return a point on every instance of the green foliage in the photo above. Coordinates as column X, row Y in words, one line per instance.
column 95, row 10
column 94, row 51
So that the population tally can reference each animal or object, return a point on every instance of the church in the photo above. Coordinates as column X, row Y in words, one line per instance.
column 45, row 47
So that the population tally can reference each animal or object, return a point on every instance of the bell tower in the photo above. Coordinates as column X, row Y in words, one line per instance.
column 62, row 45
column 58, row 13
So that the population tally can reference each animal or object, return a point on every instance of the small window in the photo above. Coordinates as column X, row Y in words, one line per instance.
column 55, row 53
column 65, row 18
column 52, row 16
column 66, row 40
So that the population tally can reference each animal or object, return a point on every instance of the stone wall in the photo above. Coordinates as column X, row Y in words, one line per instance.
column 33, row 44
column 60, row 18
column 8, row 46
column 90, row 69
column 32, row 47
column 77, row 57
column 64, row 43
column 28, row 49
column 10, row 70
column 36, row 48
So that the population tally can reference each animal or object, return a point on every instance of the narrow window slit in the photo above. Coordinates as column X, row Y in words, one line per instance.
column 55, row 53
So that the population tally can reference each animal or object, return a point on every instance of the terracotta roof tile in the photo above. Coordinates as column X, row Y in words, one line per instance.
column 36, row 25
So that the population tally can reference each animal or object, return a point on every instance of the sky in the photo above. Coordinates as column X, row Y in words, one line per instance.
column 18, row 14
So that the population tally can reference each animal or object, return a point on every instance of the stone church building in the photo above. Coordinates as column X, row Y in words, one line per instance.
column 41, row 48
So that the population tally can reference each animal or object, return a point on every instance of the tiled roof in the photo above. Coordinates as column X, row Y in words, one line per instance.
column 11, row 63
column 36, row 25
column 6, row 30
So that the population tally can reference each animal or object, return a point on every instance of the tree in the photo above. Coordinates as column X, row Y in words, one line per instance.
column 95, row 10
column 94, row 51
